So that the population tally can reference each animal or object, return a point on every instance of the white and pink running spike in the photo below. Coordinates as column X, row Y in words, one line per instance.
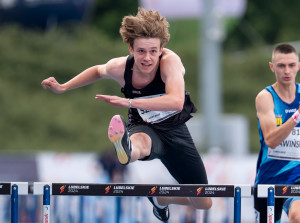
column 116, row 131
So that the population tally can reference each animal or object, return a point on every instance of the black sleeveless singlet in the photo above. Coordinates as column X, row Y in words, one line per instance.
column 157, row 86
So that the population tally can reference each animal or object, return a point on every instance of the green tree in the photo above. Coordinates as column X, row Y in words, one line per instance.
column 266, row 22
column 107, row 15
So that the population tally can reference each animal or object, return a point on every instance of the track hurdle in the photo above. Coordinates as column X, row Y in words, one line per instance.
column 14, row 189
column 271, row 192
column 143, row 190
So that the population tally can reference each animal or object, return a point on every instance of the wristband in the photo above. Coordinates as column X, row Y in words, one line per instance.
column 296, row 117
column 129, row 100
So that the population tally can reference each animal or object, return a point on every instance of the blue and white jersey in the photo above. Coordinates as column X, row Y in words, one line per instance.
column 282, row 164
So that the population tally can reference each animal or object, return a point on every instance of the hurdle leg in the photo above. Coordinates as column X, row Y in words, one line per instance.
column 138, row 208
column 14, row 204
column 118, row 209
column 81, row 209
column 271, row 201
column 46, row 204
column 237, row 205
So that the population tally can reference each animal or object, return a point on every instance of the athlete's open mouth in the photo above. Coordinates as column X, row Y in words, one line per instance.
column 146, row 65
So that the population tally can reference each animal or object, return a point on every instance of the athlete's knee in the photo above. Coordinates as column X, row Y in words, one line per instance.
column 142, row 142
column 203, row 203
column 294, row 217
column 294, row 214
column 208, row 204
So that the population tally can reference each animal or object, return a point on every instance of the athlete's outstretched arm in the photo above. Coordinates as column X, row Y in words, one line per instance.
column 113, row 69
column 273, row 135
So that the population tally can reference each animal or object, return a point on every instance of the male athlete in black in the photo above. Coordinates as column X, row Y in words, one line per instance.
column 152, row 81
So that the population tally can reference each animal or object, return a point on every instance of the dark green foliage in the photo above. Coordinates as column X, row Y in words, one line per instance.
column 266, row 22
column 107, row 15
column 35, row 119
column 245, row 74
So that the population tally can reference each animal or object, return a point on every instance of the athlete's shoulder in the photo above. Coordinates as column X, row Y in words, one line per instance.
column 169, row 54
column 170, row 59
column 116, row 66
column 264, row 99
column 263, row 94
column 117, row 61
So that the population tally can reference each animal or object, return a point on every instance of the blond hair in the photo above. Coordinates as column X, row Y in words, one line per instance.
column 146, row 24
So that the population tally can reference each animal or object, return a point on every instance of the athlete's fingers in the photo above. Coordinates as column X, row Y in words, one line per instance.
column 113, row 100
column 101, row 96
column 48, row 83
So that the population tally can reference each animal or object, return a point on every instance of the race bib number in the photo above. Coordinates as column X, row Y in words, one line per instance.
column 155, row 116
column 289, row 149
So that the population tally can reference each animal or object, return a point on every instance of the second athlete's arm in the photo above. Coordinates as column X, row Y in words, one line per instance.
column 273, row 135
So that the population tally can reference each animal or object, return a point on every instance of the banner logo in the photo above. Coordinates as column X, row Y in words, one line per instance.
column 107, row 189
column 62, row 189
column 284, row 190
column 153, row 189
column 199, row 190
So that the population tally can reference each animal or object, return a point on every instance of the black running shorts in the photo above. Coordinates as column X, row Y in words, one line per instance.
column 176, row 150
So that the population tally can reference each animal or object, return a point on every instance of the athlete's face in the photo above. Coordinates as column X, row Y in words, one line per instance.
column 146, row 52
column 285, row 67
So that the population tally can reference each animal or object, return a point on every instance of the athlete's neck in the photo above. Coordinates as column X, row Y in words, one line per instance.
column 286, row 92
column 142, row 79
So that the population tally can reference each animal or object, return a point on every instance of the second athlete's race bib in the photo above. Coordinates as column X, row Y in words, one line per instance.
column 289, row 149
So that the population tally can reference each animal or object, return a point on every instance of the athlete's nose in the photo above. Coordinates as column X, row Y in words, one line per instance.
column 147, row 56
column 287, row 70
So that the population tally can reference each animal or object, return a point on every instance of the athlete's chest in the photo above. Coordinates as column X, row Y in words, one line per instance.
column 140, row 81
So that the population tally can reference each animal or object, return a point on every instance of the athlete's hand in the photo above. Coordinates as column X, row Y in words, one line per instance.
column 53, row 85
column 114, row 100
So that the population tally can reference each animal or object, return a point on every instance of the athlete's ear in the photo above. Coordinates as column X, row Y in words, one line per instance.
column 271, row 66
column 161, row 50
column 130, row 49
